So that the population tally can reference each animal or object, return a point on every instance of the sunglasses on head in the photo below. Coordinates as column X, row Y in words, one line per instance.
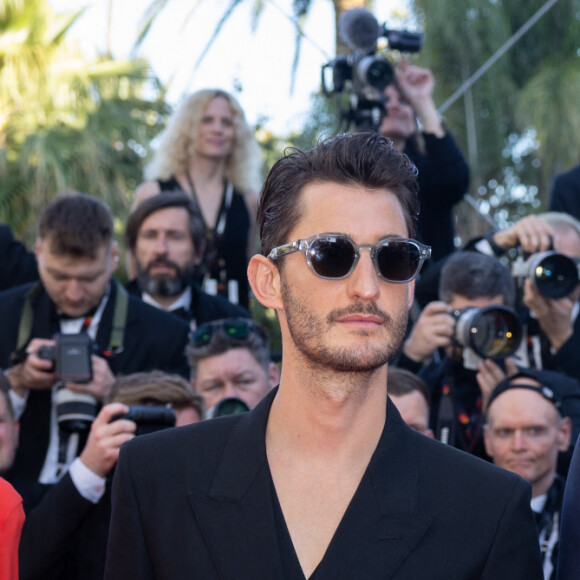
column 234, row 328
column 335, row 256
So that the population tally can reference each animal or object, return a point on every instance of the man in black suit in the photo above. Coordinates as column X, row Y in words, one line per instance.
column 76, row 294
column 323, row 478
column 17, row 264
column 565, row 195
column 165, row 235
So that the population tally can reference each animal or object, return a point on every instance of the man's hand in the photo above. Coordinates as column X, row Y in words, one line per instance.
column 416, row 85
column 433, row 329
column 100, row 386
column 554, row 315
column 33, row 372
column 490, row 374
column 105, row 439
column 533, row 233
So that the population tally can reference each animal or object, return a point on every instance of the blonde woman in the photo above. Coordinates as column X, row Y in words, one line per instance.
column 208, row 151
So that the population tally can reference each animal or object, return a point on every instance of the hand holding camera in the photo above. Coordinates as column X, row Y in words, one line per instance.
column 32, row 371
column 106, row 437
column 433, row 329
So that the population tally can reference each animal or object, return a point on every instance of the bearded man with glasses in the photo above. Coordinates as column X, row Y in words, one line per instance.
column 323, row 479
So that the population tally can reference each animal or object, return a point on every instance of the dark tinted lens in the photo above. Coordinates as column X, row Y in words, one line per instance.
column 331, row 257
column 238, row 329
column 398, row 261
column 556, row 276
column 202, row 335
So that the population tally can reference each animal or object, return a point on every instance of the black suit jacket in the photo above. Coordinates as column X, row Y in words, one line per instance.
column 17, row 264
column 568, row 558
column 565, row 194
column 204, row 306
column 153, row 340
column 195, row 502
column 64, row 536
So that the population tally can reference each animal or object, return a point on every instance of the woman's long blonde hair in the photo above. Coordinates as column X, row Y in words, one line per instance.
column 177, row 143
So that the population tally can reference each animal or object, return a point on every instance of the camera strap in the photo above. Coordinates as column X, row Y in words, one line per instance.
column 117, row 331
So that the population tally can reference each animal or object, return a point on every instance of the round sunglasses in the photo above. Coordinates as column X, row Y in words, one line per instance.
column 335, row 256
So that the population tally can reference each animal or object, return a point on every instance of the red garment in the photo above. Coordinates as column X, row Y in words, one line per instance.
column 11, row 520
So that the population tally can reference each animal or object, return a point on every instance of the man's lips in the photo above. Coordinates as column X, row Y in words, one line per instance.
column 368, row 320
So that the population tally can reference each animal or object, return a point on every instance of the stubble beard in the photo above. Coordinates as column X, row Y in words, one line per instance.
column 309, row 332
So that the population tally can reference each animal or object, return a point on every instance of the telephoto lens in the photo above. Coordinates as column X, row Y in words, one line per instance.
column 554, row 275
column 491, row 332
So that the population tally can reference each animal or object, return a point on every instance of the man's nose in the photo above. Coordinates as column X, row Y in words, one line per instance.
column 74, row 290
column 364, row 282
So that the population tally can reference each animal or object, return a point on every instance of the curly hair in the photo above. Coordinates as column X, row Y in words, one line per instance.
column 177, row 143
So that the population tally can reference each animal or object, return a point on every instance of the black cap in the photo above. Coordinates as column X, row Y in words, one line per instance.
column 554, row 387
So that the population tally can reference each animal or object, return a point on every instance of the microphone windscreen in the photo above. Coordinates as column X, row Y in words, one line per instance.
column 359, row 29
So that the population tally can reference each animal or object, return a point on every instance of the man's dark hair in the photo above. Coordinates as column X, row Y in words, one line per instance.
column 166, row 200
column 402, row 382
column 361, row 159
column 76, row 224
column 475, row 275
column 256, row 342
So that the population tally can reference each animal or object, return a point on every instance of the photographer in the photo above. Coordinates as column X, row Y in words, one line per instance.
column 76, row 296
column 459, row 392
column 552, row 324
column 230, row 359
column 65, row 534
column 443, row 171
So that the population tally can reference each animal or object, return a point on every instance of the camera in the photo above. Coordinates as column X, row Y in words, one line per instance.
column 227, row 406
column 71, row 357
column 554, row 275
column 365, row 73
column 490, row 332
column 149, row 418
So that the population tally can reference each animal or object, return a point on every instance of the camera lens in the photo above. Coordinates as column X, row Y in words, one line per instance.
column 376, row 72
column 492, row 332
column 229, row 406
column 554, row 274
column 75, row 411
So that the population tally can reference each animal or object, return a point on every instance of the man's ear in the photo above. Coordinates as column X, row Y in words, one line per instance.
column 114, row 256
column 264, row 279
column 192, row 383
column 564, row 434
column 273, row 375
column 37, row 248
column 198, row 253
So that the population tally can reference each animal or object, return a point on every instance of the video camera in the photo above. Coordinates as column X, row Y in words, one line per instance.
column 490, row 332
column 365, row 73
column 554, row 275
column 149, row 418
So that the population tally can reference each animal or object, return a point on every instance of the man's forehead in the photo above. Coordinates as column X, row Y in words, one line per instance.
column 345, row 208
column 529, row 403
column 166, row 218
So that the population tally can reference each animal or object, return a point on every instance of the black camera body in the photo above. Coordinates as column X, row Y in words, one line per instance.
column 491, row 332
column 149, row 418
column 71, row 357
column 555, row 275
column 365, row 73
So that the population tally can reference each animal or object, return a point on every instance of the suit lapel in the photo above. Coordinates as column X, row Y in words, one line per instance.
column 380, row 528
column 383, row 522
column 236, row 516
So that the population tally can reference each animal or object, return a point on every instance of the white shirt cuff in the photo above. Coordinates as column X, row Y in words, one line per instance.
column 90, row 485
column 18, row 403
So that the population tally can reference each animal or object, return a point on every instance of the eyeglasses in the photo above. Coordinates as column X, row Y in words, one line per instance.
column 335, row 256
column 238, row 329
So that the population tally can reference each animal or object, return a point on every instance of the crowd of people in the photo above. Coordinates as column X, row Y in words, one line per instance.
column 416, row 426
